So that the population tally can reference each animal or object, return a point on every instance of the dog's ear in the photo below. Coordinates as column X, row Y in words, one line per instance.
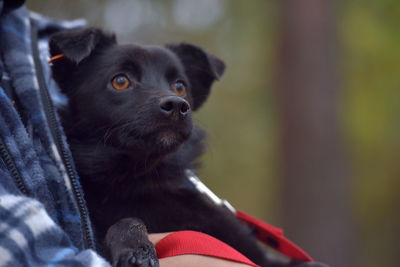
column 78, row 44
column 74, row 46
column 201, row 68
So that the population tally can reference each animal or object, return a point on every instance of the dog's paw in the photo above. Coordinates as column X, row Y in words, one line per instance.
column 129, row 246
column 139, row 257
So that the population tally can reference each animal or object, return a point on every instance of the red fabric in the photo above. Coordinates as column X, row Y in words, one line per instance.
column 273, row 237
column 191, row 242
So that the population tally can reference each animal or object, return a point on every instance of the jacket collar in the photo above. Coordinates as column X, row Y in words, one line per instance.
column 9, row 5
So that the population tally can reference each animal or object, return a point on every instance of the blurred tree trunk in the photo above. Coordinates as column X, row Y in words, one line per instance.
column 316, row 182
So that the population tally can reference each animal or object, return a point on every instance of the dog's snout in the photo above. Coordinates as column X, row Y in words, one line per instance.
column 174, row 106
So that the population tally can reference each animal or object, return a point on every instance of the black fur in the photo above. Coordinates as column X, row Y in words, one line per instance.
column 129, row 246
column 131, row 157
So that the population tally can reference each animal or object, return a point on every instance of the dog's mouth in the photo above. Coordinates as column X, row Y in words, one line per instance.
column 168, row 139
column 154, row 138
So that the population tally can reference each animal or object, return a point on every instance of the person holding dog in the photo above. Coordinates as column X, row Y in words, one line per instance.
column 43, row 215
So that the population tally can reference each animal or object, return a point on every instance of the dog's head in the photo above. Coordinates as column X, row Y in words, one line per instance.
column 131, row 95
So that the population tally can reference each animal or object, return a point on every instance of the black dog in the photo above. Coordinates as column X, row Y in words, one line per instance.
column 129, row 126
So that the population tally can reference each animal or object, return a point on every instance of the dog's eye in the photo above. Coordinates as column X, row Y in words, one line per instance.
column 179, row 88
column 120, row 82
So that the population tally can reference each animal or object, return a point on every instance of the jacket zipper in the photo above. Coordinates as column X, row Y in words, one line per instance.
column 55, row 131
column 10, row 164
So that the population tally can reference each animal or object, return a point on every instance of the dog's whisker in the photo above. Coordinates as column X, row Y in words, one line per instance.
column 111, row 130
column 132, row 138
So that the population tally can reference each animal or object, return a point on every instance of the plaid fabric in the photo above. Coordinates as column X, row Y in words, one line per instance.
column 44, row 225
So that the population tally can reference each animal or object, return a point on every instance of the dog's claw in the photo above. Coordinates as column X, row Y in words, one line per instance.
column 132, row 260
column 127, row 239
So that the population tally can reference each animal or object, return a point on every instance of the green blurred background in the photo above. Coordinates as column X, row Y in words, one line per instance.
column 242, row 113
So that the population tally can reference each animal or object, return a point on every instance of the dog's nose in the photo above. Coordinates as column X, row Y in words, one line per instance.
column 174, row 106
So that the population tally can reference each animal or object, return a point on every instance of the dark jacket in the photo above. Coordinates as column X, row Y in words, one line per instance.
column 43, row 216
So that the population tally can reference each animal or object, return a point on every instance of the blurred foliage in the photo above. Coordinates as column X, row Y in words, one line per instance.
column 240, row 116
column 371, row 113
